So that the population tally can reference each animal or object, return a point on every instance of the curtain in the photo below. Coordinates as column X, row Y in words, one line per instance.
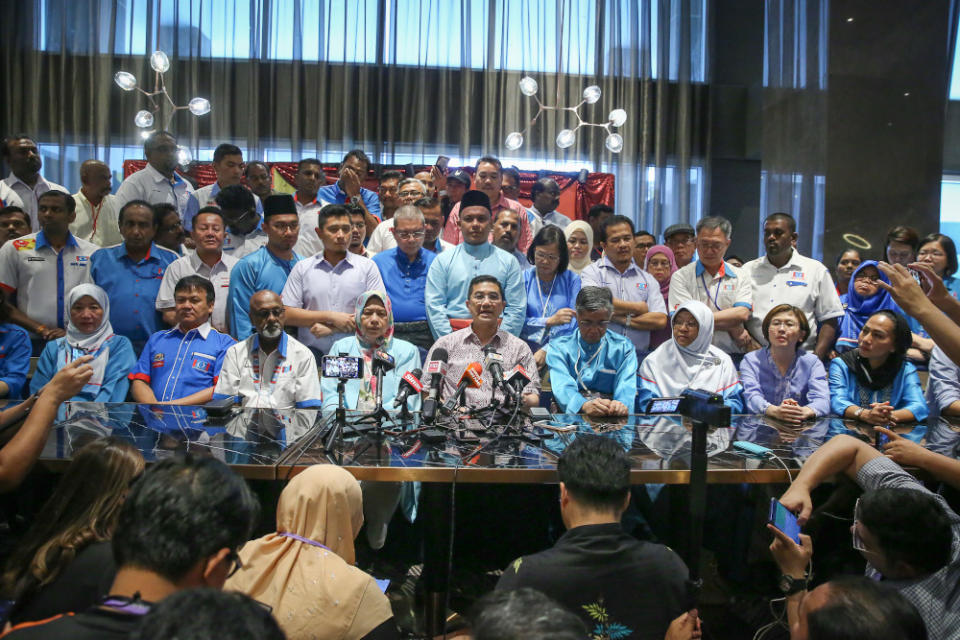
column 793, row 168
column 405, row 80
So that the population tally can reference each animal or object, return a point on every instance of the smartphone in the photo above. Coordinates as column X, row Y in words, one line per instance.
column 345, row 367
column 442, row 162
column 782, row 519
column 663, row 405
column 880, row 439
column 916, row 276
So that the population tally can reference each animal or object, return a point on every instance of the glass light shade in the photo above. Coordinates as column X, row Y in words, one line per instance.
column 614, row 142
column 184, row 157
column 145, row 134
column 528, row 86
column 566, row 138
column 514, row 141
column 143, row 119
column 617, row 117
column 159, row 61
column 591, row 94
column 124, row 80
column 199, row 106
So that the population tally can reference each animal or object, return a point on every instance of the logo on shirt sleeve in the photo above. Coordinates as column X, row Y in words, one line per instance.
column 157, row 361
column 25, row 244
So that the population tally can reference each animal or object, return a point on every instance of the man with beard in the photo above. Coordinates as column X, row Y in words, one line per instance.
column 97, row 211
column 269, row 370
column 783, row 276
column 158, row 181
column 21, row 153
column 506, row 233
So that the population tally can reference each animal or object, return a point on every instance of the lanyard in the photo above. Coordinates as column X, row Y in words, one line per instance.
column 576, row 365
column 96, row 216
column 716, row 293
column 130, row 606
column 543, row 305
column 256, row 368
column 314, row 543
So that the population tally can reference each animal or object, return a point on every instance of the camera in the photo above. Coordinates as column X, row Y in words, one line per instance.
column 341, row 367
column 695, row 404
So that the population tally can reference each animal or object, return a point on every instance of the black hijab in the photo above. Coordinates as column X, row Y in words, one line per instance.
column 882, row 376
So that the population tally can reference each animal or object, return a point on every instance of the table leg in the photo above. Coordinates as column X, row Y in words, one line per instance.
column 435, row 506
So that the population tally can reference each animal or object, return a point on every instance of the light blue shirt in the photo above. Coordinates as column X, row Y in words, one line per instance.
column 544, row 300
column 406, row 357
column 113, row 387
column 633, row 285
column 334, row 194
column 448, row 282
column 805, row 382
column 406, row 282
column 258, row 271
column 608, row 366
column 15, row 353
column 904, row 393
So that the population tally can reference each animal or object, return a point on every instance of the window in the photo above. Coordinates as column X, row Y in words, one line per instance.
column 950, row 206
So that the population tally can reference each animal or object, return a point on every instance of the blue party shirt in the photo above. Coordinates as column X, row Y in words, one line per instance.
column 177, row 364
column 406, row 282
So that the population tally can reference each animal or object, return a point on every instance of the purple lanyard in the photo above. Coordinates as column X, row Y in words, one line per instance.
column 134, row 607
column 306, row 540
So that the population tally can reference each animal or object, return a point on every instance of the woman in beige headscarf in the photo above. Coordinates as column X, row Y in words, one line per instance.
column 305, row 571
column 579, row 245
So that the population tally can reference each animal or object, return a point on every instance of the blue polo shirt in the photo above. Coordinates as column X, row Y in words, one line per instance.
column 15, row 353
column 176, row 364
column 254, row 272
column 334, row 194
column 405, row 282
column 132, row 288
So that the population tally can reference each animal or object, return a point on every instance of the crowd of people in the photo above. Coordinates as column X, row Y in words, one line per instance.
column 164, row 293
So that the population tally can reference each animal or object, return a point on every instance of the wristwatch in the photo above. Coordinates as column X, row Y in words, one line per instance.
column 355, row 201
column 790, row 585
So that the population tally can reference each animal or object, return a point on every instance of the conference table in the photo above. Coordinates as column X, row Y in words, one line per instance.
column 262, row 444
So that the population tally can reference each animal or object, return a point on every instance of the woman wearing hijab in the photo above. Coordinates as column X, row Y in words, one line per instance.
column 579, row 236
column 305, row 571
column 661, row 264
column 373, row 326
column 864, row 297
column 89, row 333
column 689, row 361
column 874, row 383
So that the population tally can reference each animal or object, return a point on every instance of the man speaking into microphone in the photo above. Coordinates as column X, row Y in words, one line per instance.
column 485, row 343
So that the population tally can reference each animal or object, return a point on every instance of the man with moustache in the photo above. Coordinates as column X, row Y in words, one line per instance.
column 409, row 191
column 97, row 211
column 158, row 181
column 23, row 157
column 269, row 370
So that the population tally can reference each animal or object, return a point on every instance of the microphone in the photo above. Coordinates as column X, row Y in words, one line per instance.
column 383, row 361
column 471, row 378
column 517, row 380
column 409, row 385
column 494, row 364
column 436, row 369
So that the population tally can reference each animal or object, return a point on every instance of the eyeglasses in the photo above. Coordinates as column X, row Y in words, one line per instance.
column 409, row 194
column 409, row 235
column 263, row 314
column 545, row 257
column 480, row 297
column 236, row 564
column 873, row 279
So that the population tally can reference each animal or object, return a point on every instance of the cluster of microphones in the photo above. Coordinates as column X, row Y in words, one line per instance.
column 512, row 385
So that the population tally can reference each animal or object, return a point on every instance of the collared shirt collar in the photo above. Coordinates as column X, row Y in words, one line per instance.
column 306, row 204
column 495, row 341
column 40, row 181
column 403, row 260
column 159, row 177
column 348, row 258
column 203, row 330
column 791, row 262
column 723, row 271
column 436, row 248
column 43, row 242
column 196, row 263
column 126, row 254
column 605, row 262
column 282, row 347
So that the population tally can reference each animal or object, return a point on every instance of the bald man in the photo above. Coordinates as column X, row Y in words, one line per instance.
column 270, row 369
column 97, row 209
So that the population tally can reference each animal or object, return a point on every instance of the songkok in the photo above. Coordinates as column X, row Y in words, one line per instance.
column 279, row 204
column 474, row 198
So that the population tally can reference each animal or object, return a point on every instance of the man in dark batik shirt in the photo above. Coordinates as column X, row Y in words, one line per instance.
column 621, row 587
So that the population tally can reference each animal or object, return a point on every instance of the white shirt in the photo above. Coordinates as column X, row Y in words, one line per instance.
column 284, row 379
column 382, row 238
column 537, row 220
column 191, row 265
column 727, row 289
column 99, row 224
column 239, row 246
column 803, row 282
column 9, row 197
column 29, row 197
column 42, row 277
column 309, row 243
column 151, row 185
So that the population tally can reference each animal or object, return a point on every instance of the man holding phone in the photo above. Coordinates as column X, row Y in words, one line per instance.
column 349, row 188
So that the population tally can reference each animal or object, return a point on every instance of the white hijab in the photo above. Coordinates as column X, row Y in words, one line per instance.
column 699, row 366
column 77, row 343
